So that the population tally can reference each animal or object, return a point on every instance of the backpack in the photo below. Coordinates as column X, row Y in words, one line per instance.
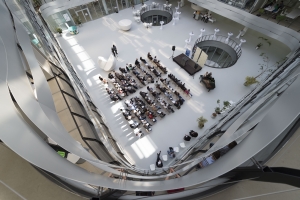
column 187, row 138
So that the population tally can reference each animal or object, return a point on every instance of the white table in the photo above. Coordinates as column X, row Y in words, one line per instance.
column 191, row 34
column 216, row 31
column 229, row 35
column 161, row 23
column 242, row 41
column 202, row 30
column 125, row 24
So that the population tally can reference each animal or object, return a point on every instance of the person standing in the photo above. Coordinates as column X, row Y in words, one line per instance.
column 115, row 49
column 132, row 4
column 194, row 14
column 113, row 52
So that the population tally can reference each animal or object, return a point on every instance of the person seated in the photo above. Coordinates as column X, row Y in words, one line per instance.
column 133, row 124
column 159, row 163
column 171, row 152
column 149, row 56
column 103, row 80
column 207, row 18
column 123, row 70
column 227, row 148
column 155, row 59
column 143, row 60
column 151, row 116
column 110, row 75
column 204, row 17
column 161, row 114
column 137, row 63
column 209, row 160
column 140, row 134
column 109, row 91
column 149, row 89
column 143, row 94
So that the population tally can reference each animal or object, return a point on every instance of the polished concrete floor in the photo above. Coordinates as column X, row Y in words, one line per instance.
column 96, row 39
column 19, row 180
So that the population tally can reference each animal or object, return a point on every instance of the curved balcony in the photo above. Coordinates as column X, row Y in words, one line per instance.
column 222, row 51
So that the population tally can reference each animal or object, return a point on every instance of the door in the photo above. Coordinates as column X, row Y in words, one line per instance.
column 84, row 15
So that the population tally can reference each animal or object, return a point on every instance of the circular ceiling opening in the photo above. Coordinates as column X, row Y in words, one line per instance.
column 156, row 14
column 221, row 52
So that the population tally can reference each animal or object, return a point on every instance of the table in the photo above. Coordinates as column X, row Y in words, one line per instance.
column 125, row 24
column 270, row 8
column 161, row 23
column 202, row 30
column 73, row 30
column 191, row 34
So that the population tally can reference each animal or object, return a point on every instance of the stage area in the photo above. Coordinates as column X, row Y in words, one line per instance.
column 187, row 64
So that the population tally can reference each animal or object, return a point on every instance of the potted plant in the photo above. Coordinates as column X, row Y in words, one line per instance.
column 260, row 12
column 218, row 110
column 201, row 121
column 77, row 20
column 214, row 115
column 258, row 46
column 250, row 80
column 279, row 18
column 226, row 105
column 59, row 30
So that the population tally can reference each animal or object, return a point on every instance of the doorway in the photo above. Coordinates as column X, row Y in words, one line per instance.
column 84, row 15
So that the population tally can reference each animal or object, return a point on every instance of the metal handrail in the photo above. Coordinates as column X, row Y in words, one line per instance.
column 159, row 7
column 221, row 38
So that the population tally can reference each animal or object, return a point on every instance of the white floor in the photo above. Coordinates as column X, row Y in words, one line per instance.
column 96, row 38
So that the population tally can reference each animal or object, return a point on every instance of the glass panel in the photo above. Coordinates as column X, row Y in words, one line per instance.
column 92, row 11
column 81, row 16
column 87, row 15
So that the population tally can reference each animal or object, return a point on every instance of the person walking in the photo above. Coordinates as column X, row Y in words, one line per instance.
column 115, row 49
column 194, row 14
column 132, row 4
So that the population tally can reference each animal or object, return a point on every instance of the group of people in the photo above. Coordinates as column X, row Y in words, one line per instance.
column 124, row 84
column 180, row 84
column 141, row 112
column 215, row 155
column 157, row 63
column 206, row 17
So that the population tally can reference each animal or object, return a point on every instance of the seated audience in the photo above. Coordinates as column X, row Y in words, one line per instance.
column 143, row 60
column 171, row 152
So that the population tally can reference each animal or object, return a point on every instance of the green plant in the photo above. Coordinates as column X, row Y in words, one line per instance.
column 261, row 11
column 250, row 80
column 76, row 19
column 218, row 110
column 226, row 105
column 59, row 30
column 259, row 45
column 280, row 18
column 36, row 3
column 265, row 40
column 201, row 121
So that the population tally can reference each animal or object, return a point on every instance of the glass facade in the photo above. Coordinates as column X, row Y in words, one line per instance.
column 87, row 12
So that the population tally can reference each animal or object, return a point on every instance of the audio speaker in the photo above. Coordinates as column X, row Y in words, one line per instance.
column 173, row 48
